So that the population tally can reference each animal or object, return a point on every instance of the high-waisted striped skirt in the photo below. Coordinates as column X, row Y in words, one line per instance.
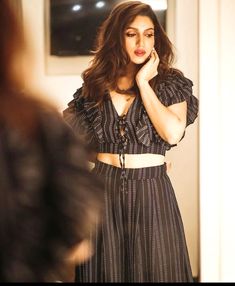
column 141, row 237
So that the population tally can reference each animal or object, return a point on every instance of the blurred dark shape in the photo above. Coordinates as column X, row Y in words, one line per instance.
column 49, row 199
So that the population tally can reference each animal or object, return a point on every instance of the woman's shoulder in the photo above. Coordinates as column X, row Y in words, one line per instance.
column 78, row 94
column 79, row 101
column 175, row 77
column 174, row 87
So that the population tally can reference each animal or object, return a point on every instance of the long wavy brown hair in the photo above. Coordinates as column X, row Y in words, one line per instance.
column 110, row 57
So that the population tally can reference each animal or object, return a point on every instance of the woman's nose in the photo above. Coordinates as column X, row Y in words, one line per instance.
column 140, row 41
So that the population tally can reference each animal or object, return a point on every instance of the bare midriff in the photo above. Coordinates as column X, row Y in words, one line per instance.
column 132, row 160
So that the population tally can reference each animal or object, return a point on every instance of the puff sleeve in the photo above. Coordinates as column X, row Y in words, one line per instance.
column 175, row 89
column 76, row 117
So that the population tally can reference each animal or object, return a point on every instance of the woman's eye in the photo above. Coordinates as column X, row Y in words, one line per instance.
column 149, row 35
column 130, row 34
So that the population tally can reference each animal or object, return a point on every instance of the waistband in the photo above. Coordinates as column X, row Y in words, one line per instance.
column 132, row 148
column 130, row 173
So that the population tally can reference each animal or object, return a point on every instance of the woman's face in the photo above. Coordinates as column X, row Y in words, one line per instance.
column 139, row 39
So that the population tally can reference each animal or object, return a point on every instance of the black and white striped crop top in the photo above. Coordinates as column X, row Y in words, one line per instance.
column 101, row 127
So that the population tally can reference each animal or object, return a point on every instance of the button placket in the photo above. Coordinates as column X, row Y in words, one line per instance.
column 122, row 127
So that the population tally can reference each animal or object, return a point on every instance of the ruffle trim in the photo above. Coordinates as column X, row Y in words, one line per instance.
column 176, row 88
column 87, row 114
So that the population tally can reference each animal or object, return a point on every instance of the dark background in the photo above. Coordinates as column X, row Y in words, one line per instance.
column 74, row 24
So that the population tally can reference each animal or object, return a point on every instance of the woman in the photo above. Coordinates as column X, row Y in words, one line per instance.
column 132, row 108
column 49, row 200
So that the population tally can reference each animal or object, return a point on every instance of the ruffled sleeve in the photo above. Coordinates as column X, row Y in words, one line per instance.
column 76, row 117
column 176, row 88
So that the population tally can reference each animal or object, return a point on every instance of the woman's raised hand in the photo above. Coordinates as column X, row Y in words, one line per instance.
column 149, row 70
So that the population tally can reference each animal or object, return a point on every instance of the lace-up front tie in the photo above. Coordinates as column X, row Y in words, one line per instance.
column 122, row 138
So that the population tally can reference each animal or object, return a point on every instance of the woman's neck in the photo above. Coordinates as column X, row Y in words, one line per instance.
column 128, row 79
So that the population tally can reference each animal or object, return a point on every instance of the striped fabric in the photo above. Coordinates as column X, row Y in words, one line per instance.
column 100, row 126
column 141, row 238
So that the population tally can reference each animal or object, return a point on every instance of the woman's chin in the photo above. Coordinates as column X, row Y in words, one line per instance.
column 139, row 61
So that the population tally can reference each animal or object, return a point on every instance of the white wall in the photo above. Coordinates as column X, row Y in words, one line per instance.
column 184, row 158
column 217, row 154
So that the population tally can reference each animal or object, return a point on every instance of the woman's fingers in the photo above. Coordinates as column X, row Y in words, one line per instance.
column 155, row 55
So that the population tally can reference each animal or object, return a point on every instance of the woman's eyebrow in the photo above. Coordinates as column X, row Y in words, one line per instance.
column 138, row 29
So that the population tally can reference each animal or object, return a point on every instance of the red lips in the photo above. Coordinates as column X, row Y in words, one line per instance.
column 139, row 52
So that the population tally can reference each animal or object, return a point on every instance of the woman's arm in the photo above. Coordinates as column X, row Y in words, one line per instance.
column 169, row 122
